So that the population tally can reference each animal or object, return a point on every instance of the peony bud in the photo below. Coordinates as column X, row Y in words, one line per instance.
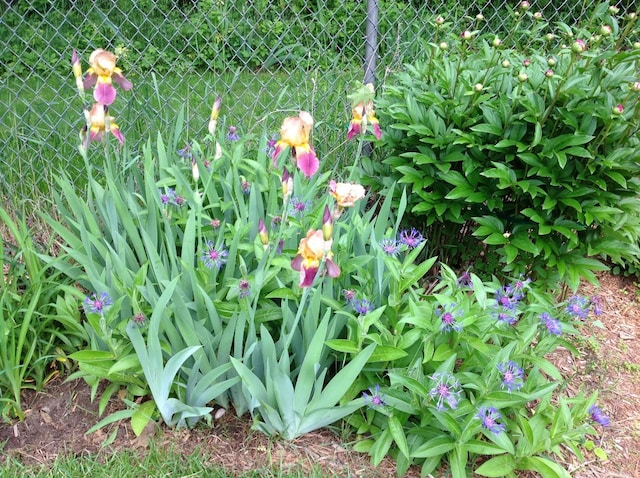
column 551, row 61
column 479, row 17
column 496, row 42
column 506, row 64
column 605, row 30
column 548, row 73
column 636, row 45
column 636, row 86
column 439, row 20
column 537, row 16
column 578, row 46
column 525, row 5
column 613, row 9
column 466, row 35
column 618, row 109
column 522, row 77
column 478, row 87
column 526, row 62
column 549, row 37
column 443, row 45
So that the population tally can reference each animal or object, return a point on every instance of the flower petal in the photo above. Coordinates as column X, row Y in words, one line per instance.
column 122, row 81
column 332, row 268
column 296, row 263
column 90, row 80
column 104, row 93
column 117, row 133
column 307, row 275
column 307, row 161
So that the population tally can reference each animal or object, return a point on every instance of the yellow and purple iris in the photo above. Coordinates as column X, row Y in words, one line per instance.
column 346, row 194
column 363, row 113
column 101, row 123
column 102, row 73
column 294, row 134
column 312, row 251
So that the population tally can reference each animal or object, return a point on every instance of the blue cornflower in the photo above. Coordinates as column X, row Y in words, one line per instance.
column 214, row 257
column 390, row 247
column 507, row 316
column 298, row 207
column 490, row 417
column 361, row 306
column 553, row 325
column 598, row 416
column 244, row 288
column 508, row 297
column 232, row 134
column 271, row 145
column 446, row 389
column 167, row 197
column 447, row 315
column 411, row 238
column 578, row 307
column 97, row 303
column 185, row 152
column 246, row 187
column 374, row 398
column 512, row 376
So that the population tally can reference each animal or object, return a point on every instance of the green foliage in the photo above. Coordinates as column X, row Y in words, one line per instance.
column 522, row 145
column 35, row 328
column 488, row 352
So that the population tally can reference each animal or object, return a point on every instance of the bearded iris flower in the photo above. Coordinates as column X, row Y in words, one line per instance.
column 102, row 73
column 294, row 134
column 363, row 114
column 101, row 123
column 313, row 250
column 346, row 194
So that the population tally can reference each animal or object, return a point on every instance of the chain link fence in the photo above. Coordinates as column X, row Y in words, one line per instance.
column 266, row 58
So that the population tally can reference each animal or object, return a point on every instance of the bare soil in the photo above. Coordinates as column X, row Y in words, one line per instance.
column 609, row 361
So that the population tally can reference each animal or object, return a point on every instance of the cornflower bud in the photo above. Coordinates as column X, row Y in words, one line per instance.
column 522, row 77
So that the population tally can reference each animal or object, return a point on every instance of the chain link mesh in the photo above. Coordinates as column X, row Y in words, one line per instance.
column 267, row 58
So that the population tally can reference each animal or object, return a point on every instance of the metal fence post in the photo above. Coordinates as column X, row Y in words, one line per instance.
column 371, row 42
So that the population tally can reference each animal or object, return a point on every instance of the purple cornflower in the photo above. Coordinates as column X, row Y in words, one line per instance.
column 578, row 307
column 244, row 288
column 167, row 197
column 213, row 257
column 349, row 294
column 390, row 246
column 97, row 303
column 447, row 315
column 361, row 306
column 490, row 417
column 271, row 144
column 298, row 207
column 411, row 238
column 553, row 325
column 139, row 319
column 246, row 187
column 512, row 376
column 598, row 416
column 446, row 389
column 465, row 280
column 596, row 302
column 507, row 316
column 508, row 297
column 178, row 200
column 374, row 398
column 232, row 134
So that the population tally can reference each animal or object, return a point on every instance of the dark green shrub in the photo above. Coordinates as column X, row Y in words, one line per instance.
column 533, row 149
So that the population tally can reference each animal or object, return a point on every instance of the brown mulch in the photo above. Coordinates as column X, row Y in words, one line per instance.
column 609, row 361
